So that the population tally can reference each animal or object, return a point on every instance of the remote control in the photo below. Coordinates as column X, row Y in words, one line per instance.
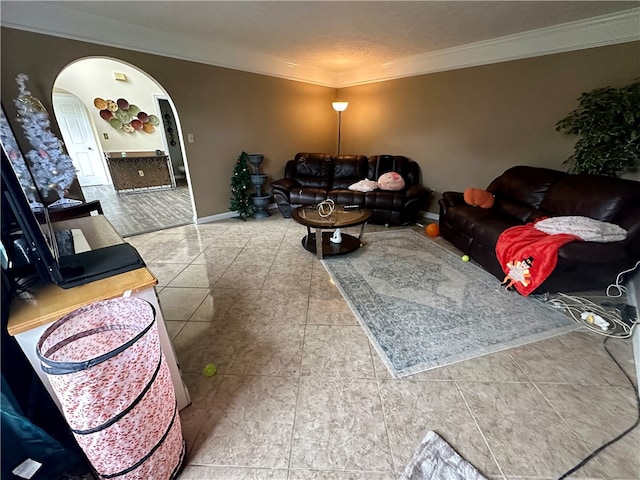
column 351, row 207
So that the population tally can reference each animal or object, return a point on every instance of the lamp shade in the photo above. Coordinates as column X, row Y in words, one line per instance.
column 340, row 106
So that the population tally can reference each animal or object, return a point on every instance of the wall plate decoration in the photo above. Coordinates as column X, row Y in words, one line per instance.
column 125, row 116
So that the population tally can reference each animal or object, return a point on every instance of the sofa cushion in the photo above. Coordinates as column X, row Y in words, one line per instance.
column 307, row 195
column 346, row 197
column 523, row 212
column 592, row 252
column 525, row 184
column 384, row 200
column 587, row 229
column 348, row 169
column 379, row 164
column 314, row 169
column 466, row 218
column 595, row 196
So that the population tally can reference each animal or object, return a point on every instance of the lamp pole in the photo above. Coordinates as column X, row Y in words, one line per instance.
column 339, row 130
column 339, row 107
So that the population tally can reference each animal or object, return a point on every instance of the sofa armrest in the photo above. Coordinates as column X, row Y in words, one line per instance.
column 416, row 197
column 285, row 184
column 452, row 198
column 417, row 190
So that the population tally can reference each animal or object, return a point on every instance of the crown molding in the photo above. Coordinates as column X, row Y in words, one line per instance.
column 594, row 32
column 40, row 17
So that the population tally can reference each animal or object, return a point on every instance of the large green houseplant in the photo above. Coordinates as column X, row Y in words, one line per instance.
column 607, row 121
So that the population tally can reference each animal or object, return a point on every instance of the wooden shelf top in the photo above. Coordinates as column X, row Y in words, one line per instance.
column 50, row 302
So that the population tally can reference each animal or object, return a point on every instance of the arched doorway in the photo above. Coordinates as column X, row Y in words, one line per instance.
column 94, row 140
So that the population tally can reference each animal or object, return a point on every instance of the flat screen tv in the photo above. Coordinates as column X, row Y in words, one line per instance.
column 35, row 236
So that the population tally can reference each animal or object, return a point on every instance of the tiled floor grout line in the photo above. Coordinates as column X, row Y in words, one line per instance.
column 384, row 413
column 295, row 410
column 475, row 421
column 571, row 429
column 549, row 402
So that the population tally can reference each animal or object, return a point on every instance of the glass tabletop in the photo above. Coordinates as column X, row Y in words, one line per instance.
column 311, row 217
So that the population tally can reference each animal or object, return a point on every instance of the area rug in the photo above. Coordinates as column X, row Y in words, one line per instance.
column 436, row 460
column 423, row 307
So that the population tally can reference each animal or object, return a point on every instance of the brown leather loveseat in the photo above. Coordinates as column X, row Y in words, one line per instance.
column 313, row 177
column 524, row 194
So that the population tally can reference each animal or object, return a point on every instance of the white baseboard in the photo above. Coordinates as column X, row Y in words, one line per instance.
column 218, row 217
column 428, row 217
column 225, row 215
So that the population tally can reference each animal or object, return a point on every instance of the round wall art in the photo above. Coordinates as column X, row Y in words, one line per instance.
column 125, row 116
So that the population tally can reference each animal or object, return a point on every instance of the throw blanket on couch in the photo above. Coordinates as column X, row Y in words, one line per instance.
column 528, row 256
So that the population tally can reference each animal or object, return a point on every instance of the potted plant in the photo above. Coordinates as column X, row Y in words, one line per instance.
column 607, row 121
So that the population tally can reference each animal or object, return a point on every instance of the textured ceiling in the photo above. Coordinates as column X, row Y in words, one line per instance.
column 339, row 36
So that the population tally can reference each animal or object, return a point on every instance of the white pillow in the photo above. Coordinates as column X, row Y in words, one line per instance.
column 588, row 229
column 365, row 185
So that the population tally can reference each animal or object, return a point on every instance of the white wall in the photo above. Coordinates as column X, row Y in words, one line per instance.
column 94, row 77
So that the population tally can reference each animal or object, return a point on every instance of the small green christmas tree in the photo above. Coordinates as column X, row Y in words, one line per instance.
column 241, row 188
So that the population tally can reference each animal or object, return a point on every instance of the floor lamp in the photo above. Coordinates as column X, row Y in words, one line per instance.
column 339, row 107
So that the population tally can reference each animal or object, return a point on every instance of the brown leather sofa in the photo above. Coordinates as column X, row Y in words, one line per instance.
column 524, row 194
column 313, row 177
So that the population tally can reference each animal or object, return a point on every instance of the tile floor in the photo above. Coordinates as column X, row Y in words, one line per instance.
column 301, row 394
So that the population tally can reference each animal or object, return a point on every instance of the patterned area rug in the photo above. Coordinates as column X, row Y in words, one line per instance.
column 423, row 307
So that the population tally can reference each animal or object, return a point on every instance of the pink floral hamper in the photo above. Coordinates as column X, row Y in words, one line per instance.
column 106, row 366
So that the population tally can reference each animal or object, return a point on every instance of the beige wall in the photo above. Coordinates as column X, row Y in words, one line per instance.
column 467, row 126
column 228, row 111
column 464, row 127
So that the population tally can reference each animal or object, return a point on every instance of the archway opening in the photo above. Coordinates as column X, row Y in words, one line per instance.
column 122, row 131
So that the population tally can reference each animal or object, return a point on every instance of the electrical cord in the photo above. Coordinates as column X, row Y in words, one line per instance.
column 618, row 320
column 620, row 288
column 608, row 319
column 614, row 440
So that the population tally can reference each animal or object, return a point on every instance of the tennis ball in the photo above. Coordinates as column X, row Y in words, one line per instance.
column 210, row 370
column 465, row 258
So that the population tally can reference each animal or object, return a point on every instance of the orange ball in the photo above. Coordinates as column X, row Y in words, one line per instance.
column 433, row 230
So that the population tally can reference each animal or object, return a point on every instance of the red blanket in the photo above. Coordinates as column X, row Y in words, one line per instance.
column 528, row 256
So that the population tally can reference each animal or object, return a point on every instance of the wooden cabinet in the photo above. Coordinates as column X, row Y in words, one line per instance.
column 138, row 173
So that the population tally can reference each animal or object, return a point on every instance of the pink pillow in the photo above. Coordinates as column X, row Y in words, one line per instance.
column 391, row 181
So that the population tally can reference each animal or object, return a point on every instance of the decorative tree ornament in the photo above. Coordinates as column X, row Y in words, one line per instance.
column 31, row 104
column 241, row 180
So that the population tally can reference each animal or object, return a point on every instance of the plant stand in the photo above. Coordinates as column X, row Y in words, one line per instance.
column 260, row 200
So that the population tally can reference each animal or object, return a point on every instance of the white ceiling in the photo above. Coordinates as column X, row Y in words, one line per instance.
column 335, row 43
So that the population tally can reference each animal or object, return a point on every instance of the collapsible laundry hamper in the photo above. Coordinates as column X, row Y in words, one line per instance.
column 106, row 366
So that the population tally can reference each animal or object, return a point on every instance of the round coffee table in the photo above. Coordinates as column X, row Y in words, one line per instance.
column 319, row 242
